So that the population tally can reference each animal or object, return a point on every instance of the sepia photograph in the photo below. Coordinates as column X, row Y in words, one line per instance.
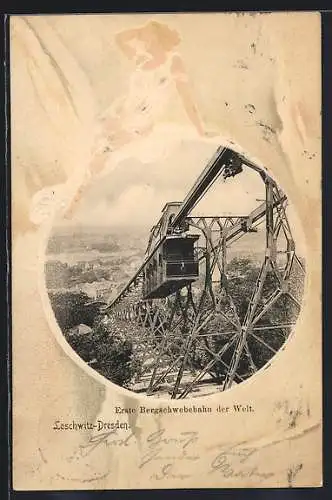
column 166, row 250
column 178, row 298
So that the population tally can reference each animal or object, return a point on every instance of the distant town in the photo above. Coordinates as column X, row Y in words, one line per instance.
column 95, row 261
column 98, row 261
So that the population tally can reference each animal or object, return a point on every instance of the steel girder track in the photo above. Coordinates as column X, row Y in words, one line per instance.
column 173, row 337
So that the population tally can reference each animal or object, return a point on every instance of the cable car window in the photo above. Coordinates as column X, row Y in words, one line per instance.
column 170, row 219
column 179, row 249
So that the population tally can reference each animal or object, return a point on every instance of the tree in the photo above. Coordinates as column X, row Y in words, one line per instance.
column 105, row 345
column 71, row 309
column 110, row 351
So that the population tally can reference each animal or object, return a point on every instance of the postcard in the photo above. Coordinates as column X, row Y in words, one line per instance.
column 166, row 251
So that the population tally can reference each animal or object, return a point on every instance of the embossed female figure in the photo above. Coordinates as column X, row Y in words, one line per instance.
column 159, row 77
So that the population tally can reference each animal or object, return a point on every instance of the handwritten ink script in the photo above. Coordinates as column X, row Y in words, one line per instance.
column 235, row 463
column 173, row 456
column 167, row 452
column 229, row 462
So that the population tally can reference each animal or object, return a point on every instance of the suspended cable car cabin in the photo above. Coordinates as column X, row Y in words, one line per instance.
column 172, row 266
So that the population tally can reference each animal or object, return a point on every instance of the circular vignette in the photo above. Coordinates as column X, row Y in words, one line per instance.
column 46, row 230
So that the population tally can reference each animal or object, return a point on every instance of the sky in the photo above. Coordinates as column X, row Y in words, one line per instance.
column 134, row 193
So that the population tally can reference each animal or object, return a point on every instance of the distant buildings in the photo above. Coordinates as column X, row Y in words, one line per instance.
column 92, row 262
